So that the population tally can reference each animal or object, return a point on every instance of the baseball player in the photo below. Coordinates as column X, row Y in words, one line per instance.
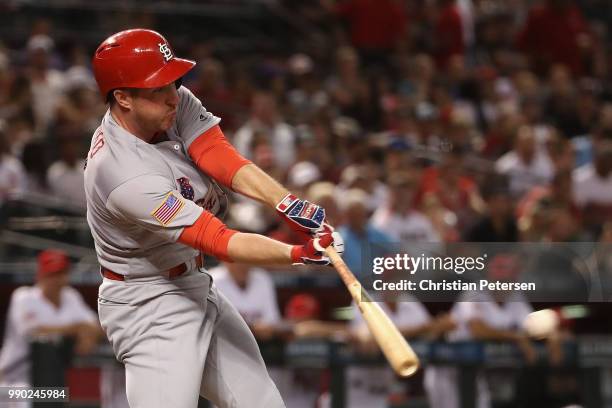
column 49, row 308
column 152, row 205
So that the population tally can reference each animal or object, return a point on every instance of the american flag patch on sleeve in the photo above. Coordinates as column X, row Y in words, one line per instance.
column 168, row 209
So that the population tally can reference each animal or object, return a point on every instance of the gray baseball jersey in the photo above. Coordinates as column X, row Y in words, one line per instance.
column 177, row 337
column 140, row 196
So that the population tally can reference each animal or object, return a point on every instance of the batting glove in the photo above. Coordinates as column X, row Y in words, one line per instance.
column 313, row 252
column 301, row 215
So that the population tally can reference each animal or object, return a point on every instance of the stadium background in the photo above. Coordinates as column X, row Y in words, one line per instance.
column 439, row 98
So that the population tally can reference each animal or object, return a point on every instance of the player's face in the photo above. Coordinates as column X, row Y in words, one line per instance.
column 155, row 109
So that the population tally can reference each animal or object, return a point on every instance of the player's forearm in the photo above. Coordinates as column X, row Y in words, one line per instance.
column 258, row 249
column 253, row 182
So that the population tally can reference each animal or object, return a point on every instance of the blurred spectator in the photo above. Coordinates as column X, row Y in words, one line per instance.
column 265, row 119
column 35, row 158
column 498, row 225
column 348, row 89
column 252, row 292
column 302, row 175
column 449, row 32
column 484, row 315
column 12, row 174
column 447, row 188
column 415, row 76
column 307, row 95
column 80, row 107
column 264, row 155
column 362, row 240
column 399, row 218
column 300, row 387
column 572, row 107
column 323, row 193
column 65, row 177
column 500, row 136
column 592, row 187
column 211, row 88
column 50, row 308
column 527, row 165
column 15, row 95
column 47, row 83
column 375, row 26
column 372, row 387
column 365, row 177
column 532, row 211
column 555, row 32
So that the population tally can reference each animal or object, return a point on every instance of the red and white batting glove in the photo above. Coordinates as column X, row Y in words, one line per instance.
column 301, row 215
column 313, row 252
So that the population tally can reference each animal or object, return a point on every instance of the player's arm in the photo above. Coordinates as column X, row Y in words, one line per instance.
column 212, row 153
column 253, row 182
column 211, row 236
column 152, row 202
column 215, row 156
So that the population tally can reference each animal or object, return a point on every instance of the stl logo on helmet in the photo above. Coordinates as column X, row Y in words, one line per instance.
column 166, row 51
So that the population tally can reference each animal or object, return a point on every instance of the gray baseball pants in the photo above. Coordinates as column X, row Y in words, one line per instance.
column 180, row 338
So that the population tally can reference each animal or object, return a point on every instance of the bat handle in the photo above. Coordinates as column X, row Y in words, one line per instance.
column 343, row 270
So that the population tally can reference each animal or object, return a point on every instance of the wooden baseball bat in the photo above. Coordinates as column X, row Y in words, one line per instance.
column 393, row 345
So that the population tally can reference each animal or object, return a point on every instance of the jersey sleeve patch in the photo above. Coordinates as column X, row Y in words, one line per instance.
column 168, row 209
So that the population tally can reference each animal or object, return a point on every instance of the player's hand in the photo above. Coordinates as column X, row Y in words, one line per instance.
column 313, row 252
column 301, row 215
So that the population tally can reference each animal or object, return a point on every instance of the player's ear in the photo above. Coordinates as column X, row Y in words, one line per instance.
column 123, row 98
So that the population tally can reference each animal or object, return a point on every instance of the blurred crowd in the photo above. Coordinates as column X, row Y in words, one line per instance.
column 445, row 120
column 408, row 120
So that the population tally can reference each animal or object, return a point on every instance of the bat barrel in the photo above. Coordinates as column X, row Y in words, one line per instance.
column 393, row 345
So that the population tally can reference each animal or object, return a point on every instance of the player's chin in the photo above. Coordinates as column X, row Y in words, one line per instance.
column 168, row 122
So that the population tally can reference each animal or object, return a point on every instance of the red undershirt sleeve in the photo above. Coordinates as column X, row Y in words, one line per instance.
column 209, row 235
column 215, row 156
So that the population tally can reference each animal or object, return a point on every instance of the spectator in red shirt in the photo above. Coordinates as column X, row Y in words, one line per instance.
column 445, row 186
column 555, row 32
column 374, row 25
column 449, row 33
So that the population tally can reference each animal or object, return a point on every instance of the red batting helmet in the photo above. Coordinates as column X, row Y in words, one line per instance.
column 137, row 58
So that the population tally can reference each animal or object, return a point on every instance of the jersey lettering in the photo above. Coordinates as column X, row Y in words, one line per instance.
column 97, row 144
